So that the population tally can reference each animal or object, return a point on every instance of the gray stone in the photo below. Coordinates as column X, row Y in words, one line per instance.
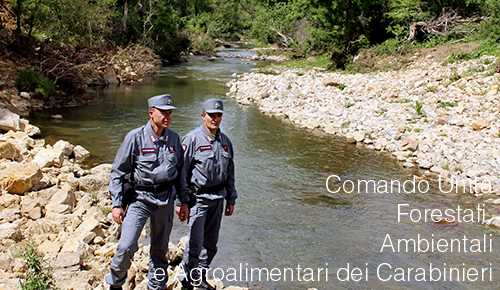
column 69, row 260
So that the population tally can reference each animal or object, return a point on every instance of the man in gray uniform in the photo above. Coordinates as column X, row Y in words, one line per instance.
column 209, row 173
column 152, row 156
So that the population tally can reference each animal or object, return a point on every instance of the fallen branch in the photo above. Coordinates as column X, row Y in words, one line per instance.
column 443, row 24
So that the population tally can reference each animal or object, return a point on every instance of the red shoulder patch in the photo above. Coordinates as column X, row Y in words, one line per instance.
column 224, row 146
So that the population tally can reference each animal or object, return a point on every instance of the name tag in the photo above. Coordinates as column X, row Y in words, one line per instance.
column 205, row 148
column 148, row 150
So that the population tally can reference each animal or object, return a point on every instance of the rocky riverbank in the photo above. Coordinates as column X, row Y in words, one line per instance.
column 75, row 73
column 48, row 198
column 444, row 119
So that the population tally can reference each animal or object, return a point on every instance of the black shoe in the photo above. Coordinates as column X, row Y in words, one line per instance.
column 115, row 287
column 186, row 285
column 205, row 286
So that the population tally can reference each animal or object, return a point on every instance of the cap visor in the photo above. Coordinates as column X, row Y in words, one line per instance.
column 214, row 111
column 164, row 108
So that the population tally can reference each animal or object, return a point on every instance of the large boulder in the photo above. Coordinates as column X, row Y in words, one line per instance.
column 20, row 178
column 9, row 120
column 49, row 157
column 8, row 149
column 62, row 202
column 30, row 130
column 89, row 229
column 97, row 180
column 80, row 153
column 31, row 207
column 65, row 146
column 11, row 231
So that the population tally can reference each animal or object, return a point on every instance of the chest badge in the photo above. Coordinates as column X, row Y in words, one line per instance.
column 205, row 148
column 148, row 150
column 224, row 146
column 171, row 149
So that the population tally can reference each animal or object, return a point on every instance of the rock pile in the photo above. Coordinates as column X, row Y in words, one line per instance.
column 49, row 199
column 444, row 119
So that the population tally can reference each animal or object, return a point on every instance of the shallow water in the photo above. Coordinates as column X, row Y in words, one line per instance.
column 285, row 217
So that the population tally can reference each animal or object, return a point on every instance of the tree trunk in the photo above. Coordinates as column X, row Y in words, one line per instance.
column 125, row 13
column 18, row 11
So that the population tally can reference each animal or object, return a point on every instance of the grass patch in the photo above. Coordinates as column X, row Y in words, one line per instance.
column 105, row 210
column 419, row 108
column 38, row 275
column 431, row 89
column 348, row 104
column 33, row 81
column 488, row 47
column 403, row 101
column 322, row 61
column 446, row 105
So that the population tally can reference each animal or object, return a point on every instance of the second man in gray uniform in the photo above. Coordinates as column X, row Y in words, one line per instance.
column 209, row 172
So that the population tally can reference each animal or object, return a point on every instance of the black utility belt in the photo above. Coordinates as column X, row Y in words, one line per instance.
column 154, row 188
column 209, row 190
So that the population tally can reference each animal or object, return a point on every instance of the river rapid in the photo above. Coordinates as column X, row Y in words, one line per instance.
column 299, row 222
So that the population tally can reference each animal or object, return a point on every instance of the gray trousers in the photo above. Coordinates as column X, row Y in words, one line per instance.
column 204, row 224
column 161, row 225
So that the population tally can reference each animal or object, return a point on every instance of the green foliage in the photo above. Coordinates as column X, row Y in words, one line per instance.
column 340, row 29
column 38, row 276
column 403, row 101
column 446, row 104
column 342, row 86
column 419, row 108
column 490, row 29
column 431, row 89
column 348, row 104
column 488, row 47
column 322, row 61
column 393, row 46
column 32, row 81
column 66, row 22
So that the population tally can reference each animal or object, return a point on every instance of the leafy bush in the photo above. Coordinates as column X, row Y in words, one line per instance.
column 33, row 81
column 38, row 277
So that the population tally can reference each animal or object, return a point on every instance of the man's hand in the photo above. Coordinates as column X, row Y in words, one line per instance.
column 118, row 214
column 182, row 212
column 229, row 209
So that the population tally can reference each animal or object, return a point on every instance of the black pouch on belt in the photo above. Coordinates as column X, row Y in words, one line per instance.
column 128, row 194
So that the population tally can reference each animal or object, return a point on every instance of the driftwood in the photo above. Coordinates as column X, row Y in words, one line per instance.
column 286, row 40
column 446, row 23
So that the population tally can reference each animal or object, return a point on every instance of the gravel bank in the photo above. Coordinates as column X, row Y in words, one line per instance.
column 441, row 118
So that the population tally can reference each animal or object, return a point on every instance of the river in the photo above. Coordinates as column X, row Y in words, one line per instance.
column 286, row 220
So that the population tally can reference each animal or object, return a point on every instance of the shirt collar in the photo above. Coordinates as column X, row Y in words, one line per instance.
column 209, row 135
column 152, row 135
